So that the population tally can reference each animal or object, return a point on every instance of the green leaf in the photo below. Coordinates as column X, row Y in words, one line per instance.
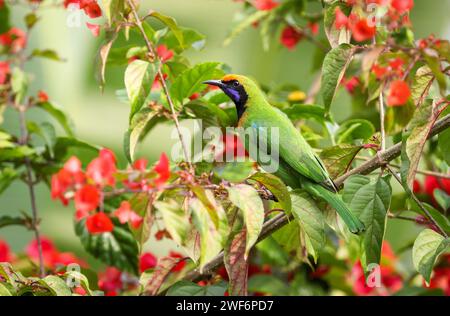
column 63, row 144
column 141, row 123
column 14, row 278
column 335, row 36
column 6, row 289
column 176, row 221
column 46, row 53
column 338, row 159
column 8, row 221
column 442, row 198
column 370, row 201
column 16, row 153
column 306, row 111
column 188, row 288
column 4, row 17
column 288, row 236
column 422, row 79
column 30, row 20
column 104, row 52
column 46, row 131
column 247, row 199
column 356, row 129
column 140, row 204
column 209, row 112
column 272, row 252
column 139, row 76
column 113, row 10
column 171, row 23
column 311, row 220
column 414, row 138
column 333, row 69
column 7, row 176
column 444, row 142
column 56, row 285
column 19, row 84
column 59, row 115
column 191, row 38
column 234, row 171
column 276, row 186
column 79, row 278
column 211, row 239
column 435, row 66
column 118, row 248
column 427, row 247
column 190, row 81
column 244, row 24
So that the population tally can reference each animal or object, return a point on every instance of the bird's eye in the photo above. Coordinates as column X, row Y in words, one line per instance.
column 235, row 83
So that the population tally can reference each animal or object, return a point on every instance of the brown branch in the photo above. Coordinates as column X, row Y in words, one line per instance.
column 160, row 76
column 281, row 220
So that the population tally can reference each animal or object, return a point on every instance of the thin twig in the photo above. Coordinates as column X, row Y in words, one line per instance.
column 30, row 183
column 419, row 203
column 160, row 76
column 382, row 130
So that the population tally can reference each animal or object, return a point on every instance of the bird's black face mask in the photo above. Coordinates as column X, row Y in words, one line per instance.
column 235, row 91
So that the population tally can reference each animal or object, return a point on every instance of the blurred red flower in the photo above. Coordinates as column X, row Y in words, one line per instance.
column 15, row 39
column 4, row 71
column 99, row 223
column 265, row 5
column 125, row 214
column 110, row 281
column 164, row 53
column 399, row 93
column 5, row 252
column 379, row 71
column 181, row 263
column 94, row 28
column 402, row 6
column 341, row 20
column 162, row 168
column 42, row 96
column 290, row 37
column 362, row 30
column 91, row 8
column 87, row 198
column 147, row 261
column 102, row 169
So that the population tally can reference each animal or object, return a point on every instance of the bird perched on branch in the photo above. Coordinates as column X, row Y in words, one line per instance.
column 298, row 165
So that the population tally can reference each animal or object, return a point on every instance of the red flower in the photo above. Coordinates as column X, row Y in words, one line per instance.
column 265, row 5
column 87, row 198
column 99, row 223
column 445, row 185
column 91, row 8
column 163, row 170
column 73, row 165
column 164, row 53
column 314, row 27
column 147, row 261
column 94, row 28
column 432, row 183
column 402, row 6
column 233, row 148
column 60, row 182
column 160, row 234
column 69, row 2
column 181, row 263
column 362, row 31
column 5, row 252
column 341, row 20
column 4, row 71
column 140, row 165
column 351, row 84
column 102, row 169
column 379, row 71
column 417, row 187
column 15, row 39
column 48, row 251
column 399, row 93
column 110, row 281
column 42, row 96
column 441, row 280
column 290, row 37
column 396, row 63
column 125, row 214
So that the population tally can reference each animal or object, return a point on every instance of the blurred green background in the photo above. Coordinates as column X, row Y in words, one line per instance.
column 102, row 119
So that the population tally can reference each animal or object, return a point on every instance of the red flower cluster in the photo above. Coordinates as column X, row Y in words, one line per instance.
column 110, row 281
column 430, row 184
column 290, row 37
column 441, row 276
column 53, row 259
column 362, row 29
column 350, row 84
column 14, row 40
column 390, row 280
column 265, row 5
column 5, row 253
column 86, row 188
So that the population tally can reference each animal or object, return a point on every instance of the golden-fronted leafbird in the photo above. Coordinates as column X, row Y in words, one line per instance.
column 298, row 165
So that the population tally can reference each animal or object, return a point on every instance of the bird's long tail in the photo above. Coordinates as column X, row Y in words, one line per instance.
column 352, row 222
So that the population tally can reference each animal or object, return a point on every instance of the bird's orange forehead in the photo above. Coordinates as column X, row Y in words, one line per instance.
column 230, row 78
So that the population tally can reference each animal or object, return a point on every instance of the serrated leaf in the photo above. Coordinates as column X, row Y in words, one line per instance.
column 422, row 79
column 334, row 66
column 117, row 248
column 434, row 63
column 190, row 81
column 176, row 221
column 370, row 201
column 247, row 199
column 139, row 76
column 311, row 220
column 276, row 186
column 338, row 159
column 427, row 247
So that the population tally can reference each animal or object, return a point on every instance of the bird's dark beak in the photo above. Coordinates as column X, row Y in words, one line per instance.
column 217, row 83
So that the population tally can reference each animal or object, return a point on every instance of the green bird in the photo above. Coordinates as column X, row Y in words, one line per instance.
column 298, row 165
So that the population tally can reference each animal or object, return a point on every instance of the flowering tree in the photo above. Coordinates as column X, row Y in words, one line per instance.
column 238, row 230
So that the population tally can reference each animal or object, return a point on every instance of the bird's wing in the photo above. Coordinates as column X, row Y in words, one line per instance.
column 295, row 151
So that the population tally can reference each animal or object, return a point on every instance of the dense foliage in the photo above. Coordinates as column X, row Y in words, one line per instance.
column 237, row 229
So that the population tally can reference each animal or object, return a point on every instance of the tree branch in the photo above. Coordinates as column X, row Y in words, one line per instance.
column 281, row 220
